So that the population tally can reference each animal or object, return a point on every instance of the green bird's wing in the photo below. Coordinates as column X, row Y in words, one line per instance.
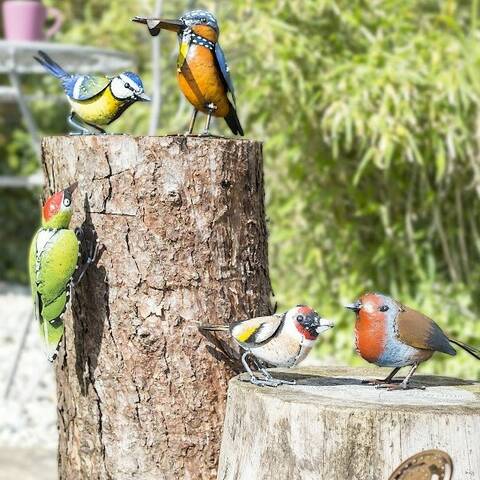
column 53, row 260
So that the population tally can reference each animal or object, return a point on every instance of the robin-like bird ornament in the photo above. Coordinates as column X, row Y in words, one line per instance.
column 96, row 100
column 202, row 71
column 281, row 340
column 390, row 334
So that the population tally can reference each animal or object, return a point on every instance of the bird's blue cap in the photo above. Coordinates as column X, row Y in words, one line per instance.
column 199, row 17
column 134, row 78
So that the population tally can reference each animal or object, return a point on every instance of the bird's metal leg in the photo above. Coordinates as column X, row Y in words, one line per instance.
column 267, row 374
column 387, row 380
column 97, row 129
column 92, row 256
column 262, row 382
column 211, row 107
column 192, row 121
column 403, row 385
column 79, row 126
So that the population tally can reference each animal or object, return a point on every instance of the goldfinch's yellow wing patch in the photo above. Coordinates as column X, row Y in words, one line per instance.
column 250, row 333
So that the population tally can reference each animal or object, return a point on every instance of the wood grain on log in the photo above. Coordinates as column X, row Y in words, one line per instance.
column 331, row 427
column 183, row 227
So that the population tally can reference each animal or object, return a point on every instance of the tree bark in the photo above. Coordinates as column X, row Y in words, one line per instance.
column 182, row 222
column 330, row 426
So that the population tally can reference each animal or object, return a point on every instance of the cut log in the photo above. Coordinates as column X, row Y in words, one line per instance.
column 331, row 427
column 183, row 228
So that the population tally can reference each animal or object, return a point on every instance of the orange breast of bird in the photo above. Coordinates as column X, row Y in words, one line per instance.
column 201, row 82
column 370, row 335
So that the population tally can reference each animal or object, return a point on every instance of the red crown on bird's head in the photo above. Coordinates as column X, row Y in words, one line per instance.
column 304, row 309
column 52, row 206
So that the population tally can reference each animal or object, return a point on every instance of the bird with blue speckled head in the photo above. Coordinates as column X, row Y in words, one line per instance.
column 390, row 334
column 95, row 100
column 202, row 71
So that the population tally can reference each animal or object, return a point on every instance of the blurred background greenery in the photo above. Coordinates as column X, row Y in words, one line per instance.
column 369, row 111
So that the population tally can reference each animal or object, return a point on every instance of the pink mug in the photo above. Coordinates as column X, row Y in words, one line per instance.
column 24, row 20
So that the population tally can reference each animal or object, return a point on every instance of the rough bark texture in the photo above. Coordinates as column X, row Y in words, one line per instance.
column 331, row 427
column 183, row 227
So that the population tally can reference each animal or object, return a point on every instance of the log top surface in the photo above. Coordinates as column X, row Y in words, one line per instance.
column 342, row 386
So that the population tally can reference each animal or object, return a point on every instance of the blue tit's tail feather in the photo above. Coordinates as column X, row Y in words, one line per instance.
column 51, row 66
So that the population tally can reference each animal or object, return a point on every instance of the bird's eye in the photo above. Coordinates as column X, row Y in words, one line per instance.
column 384, row 308
column 66, row 202
column 127, row 85
column 300, row 318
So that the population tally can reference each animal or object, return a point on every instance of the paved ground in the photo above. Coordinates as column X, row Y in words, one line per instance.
column 28, row 434
column 27, row 464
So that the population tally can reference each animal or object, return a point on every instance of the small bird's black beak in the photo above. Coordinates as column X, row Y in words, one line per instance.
column 156, row 24
column 354, row 306
column 71, row 188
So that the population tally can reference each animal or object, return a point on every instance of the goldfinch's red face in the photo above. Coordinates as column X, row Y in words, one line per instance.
column 308, row 322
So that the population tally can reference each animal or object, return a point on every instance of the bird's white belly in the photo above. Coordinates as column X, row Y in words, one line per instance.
column 43, row 239
column 282, row 352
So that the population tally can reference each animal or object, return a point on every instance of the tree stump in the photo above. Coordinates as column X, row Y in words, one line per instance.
column 331, row 427
column 182, row 225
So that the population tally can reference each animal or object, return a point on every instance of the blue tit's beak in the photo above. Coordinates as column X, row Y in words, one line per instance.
column 355, row 307
column 142, row 97
column 156, row 24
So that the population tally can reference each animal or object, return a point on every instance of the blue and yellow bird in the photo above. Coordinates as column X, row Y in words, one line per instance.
column 96, row 100
column 202, row 71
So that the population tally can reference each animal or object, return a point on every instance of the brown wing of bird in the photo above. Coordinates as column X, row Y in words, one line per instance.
column 419, row 331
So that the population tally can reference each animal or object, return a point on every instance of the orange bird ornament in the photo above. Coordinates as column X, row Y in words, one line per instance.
column 202, row 71
column 390, row 334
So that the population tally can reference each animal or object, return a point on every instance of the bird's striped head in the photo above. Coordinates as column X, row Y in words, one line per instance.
column 57, row 210
column 196, row 18
column 128, row 87
column 307, row 321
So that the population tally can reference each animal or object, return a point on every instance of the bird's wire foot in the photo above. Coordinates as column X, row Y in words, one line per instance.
column 265, row 382
column 268, row 380
column 92, row 254
column 83, row 128
column 267, row 375
column 378, row 381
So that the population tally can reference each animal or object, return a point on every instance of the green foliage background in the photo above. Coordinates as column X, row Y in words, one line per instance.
column 369, row 113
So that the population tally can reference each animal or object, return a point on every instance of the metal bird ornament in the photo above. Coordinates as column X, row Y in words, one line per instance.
column 95, row 100
column 54, row 256
column 281, row 340
column 202, row 71
column 390, row 334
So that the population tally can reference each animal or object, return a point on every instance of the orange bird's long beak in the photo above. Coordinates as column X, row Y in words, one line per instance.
column 156, row 24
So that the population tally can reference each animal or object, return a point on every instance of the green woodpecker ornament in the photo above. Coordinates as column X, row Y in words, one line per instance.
column 53, row 260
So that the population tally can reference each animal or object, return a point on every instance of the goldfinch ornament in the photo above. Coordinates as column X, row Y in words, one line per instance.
column 281, row 340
